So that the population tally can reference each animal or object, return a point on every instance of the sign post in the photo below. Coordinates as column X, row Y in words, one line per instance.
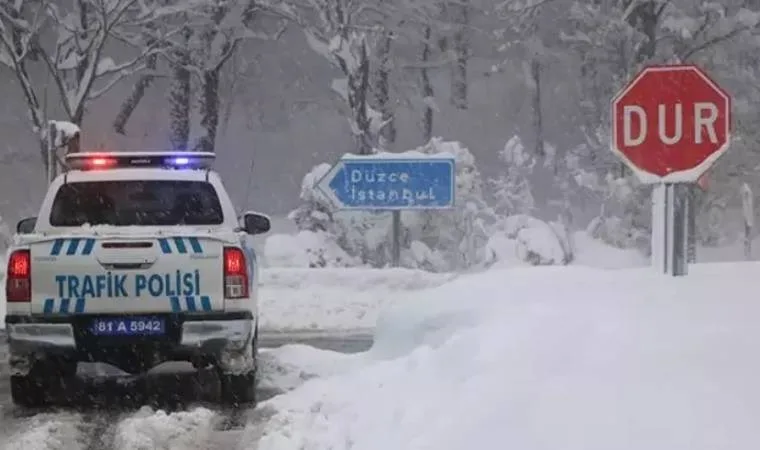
column 670, row 124
column 379, row 183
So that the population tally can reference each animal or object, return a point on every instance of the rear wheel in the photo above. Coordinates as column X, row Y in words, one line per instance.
column 44, row 382
column 240, row 389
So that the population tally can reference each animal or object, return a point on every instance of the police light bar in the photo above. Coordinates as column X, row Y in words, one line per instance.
column 136, row 160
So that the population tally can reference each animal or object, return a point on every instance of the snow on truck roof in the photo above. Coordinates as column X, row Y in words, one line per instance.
column 104, row 166
column 136, row 174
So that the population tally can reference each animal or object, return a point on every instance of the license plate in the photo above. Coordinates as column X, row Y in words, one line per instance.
column 128, row 326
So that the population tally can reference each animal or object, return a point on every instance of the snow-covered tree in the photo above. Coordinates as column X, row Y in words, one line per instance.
column 78, row 58
column 458, row 235
column 197, row 40
column 340, row 30
column 512, row 188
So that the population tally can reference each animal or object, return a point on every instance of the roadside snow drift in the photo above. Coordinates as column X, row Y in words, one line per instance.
column 334, row 299
column 554, row 358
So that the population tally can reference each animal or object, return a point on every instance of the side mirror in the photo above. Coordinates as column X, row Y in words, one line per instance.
column 256, row 223
column 26, row 226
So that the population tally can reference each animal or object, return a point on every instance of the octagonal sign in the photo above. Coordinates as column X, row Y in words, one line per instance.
column 671, row 123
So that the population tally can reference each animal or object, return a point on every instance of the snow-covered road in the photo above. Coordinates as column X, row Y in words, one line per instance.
column 166, row 410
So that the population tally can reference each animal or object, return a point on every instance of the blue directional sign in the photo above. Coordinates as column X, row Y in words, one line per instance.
column 369, row 183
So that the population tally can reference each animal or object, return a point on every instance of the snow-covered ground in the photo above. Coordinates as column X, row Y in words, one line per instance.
column 332, row 299
column 539, row 358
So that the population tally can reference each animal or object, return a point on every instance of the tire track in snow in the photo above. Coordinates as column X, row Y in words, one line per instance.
column 185, row 426
column 197, row 428
column 99, row 427
column 45, row 431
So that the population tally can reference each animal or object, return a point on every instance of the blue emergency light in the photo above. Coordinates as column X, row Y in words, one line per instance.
column 136, row 160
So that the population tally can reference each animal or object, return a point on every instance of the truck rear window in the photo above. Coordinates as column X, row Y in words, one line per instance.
column 136, row 202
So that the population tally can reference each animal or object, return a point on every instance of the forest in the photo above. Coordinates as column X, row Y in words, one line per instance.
column 518, row 90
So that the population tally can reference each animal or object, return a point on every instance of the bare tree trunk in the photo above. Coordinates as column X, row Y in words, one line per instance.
column 137, row 94
column 358, row 90
column 77, row 115
column 461, row 52
column 645, row 18
column 179, row 97
column 210, row 110
column 382, row 90
column 227, row 99
column 538, row 122
column 427, row 89
column 209, row 102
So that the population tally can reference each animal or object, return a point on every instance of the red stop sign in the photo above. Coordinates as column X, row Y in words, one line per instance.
column 671, row 123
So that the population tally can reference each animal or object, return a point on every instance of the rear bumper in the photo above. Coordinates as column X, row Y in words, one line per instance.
column 221, row 338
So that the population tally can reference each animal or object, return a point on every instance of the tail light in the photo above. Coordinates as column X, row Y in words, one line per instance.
column 235, row 273
column 18, row 278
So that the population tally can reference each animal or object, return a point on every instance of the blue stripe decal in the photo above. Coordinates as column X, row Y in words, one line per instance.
column 88, row 245
column 195, row 245
column 175, row 304
column 64, row 309
column 190, row 303
column 180, row 245
column 73, row 247
column 79, row 308
column 48, row 308
column 57, row 246
column 165, row 249
column 73, row 244
column 206, row 303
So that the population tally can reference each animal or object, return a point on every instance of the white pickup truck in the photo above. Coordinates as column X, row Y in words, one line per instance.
column 134, row 259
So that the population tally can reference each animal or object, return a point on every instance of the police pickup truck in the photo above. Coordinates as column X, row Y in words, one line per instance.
column 134, row 259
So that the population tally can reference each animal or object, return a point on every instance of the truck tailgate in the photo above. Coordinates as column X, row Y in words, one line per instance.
column 93, row 275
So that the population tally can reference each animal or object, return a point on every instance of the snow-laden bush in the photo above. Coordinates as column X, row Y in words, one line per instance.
column 440, row 240
column 315, row 213
column 528, row 240
column 512, row 188
column 306, row 249
column 6, row 235
column 458, row 236
column 624, row 220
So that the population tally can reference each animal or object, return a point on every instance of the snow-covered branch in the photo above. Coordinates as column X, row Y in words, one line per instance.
column 77, row 61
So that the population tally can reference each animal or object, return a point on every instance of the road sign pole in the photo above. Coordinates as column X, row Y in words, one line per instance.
column 659, row 228
column 396, row 239
column 683, row 213
column 691, row 225
column 676, row 232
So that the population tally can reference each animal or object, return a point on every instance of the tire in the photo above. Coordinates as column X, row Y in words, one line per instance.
column 45, row 381
column 240, row 389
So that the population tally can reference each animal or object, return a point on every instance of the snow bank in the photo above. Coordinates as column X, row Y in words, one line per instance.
column 334, row 299
column 595, row 253
column 305, row 249
column 44, row 431
column 148, row 430
column 289, row 366
column 547, row 358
